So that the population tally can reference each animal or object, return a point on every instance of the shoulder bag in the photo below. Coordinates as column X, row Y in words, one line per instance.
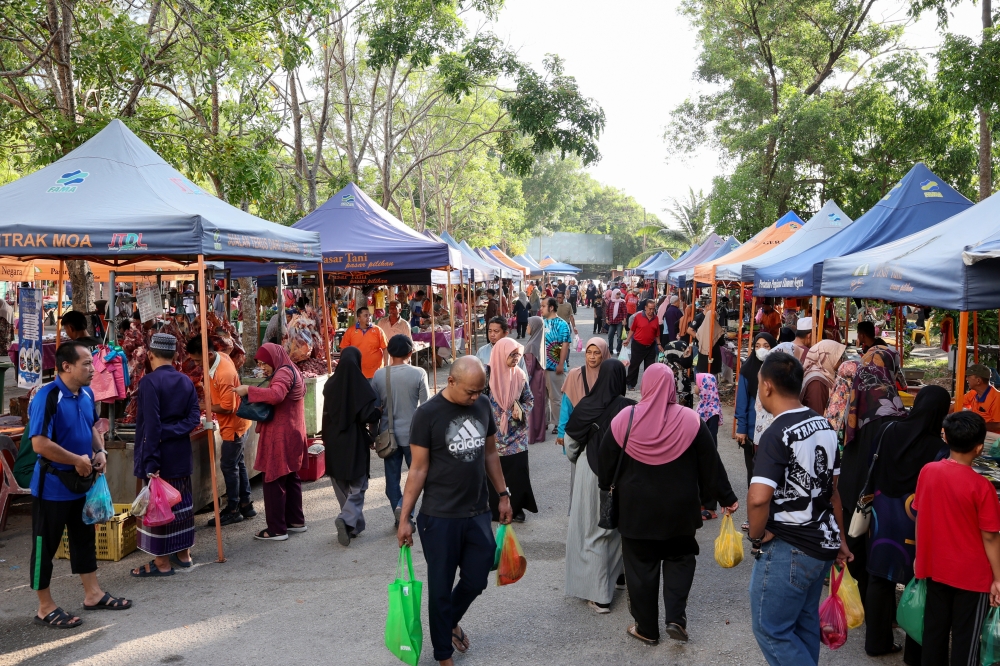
column 609, row 499
column 862, row 516
column 261, row 412
column 385, row 443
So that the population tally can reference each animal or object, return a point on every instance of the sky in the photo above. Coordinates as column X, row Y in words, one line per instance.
column 637, row 61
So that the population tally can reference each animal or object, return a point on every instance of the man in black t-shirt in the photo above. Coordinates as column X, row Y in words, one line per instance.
column 796, row 521
column 452, row 440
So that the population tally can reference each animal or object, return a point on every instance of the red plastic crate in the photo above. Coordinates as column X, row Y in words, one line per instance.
column 314, row 466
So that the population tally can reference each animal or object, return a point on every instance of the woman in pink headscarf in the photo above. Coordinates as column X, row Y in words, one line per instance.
column 667, row 456
column 511, row 399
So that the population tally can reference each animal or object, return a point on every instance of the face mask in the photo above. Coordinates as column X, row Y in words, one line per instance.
column 762, row 353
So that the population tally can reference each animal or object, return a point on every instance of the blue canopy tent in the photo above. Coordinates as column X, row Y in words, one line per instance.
column 364, row 244
column 726, row 246
column 689, row 259
column 483, row 272
column 662, row 275
column 637, row 270
column 529, row 263
column 506, row 272
column 558, row 267
column 919, row 200
column 827, row 221
column 652, row 269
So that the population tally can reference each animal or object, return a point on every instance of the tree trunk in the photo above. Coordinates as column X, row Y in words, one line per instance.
column 300, row 161
column 82, row 280
column 985, row 135
column 352, row 157
column 248, row 308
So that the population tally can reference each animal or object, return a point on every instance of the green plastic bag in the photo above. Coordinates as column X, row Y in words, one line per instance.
column 404, row 635
column 910, row 612
column 989, row 643
column 501, row 533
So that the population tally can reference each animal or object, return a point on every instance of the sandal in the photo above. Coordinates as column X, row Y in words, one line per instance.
column 182, row 564
column 634, row 633
column 708, row 514
column 57, row 619
column 460, row 641
column 265, row 535
column 109, row 602
column 150, row 571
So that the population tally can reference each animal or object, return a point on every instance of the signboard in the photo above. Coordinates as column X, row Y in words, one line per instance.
column 29, row 334
column 150, row 303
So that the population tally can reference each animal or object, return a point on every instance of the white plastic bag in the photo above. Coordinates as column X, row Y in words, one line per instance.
column 625, row 356
column 140, row 502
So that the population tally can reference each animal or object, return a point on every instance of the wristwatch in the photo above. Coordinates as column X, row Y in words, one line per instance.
column 104, row 451
column 504, row 493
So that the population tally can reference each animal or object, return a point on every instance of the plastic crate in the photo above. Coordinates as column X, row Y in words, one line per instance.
column 115, row 538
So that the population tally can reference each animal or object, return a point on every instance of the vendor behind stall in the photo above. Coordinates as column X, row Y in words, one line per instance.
column 74, row 327
column 983, row 399
column 370, row 341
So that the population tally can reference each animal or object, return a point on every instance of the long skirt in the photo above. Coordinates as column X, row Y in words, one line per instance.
column 536, row 382
column 515, row 473
column 593, row 554
column 176, row 535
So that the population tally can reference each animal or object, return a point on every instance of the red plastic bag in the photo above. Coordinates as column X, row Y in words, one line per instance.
column 162, row 496
column 512, row 563
column 832, row 615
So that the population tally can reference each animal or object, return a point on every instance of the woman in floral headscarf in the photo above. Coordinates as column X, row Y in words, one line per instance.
column 840, row 397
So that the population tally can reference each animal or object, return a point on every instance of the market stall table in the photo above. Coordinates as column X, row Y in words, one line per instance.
column 441, row 338
column 48, row 356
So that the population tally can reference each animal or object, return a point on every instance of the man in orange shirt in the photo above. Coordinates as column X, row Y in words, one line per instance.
column 771, row 322
column 983, row 399
column 370, row 341
column 223, row 378
column 631, row 306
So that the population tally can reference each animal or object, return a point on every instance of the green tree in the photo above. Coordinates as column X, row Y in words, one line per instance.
column 690, row 226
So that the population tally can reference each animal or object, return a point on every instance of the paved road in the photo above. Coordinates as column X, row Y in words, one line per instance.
column 308, row 600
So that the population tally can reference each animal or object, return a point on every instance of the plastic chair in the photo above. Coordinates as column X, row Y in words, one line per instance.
column 925, row 331
column 9, row 488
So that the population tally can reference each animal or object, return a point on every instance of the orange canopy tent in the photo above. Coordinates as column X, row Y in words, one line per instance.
column 507, row 261
column 765, row 240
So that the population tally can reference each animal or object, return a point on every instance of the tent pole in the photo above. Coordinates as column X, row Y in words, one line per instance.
column 899, row 333
column 208, row 422
column 325, row 321
column 451, row 313
column 711, row 330
column 434, row 358
column 975, row 337
column 59, row 295
column 739, row 352
column 847, row 319
column 961, row 358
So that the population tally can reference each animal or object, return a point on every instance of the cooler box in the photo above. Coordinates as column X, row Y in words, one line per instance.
column 314, row 465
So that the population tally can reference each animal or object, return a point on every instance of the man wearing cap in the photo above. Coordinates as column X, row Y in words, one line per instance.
column 983, row 399
column 803, row 338
column 409, row 391
column 167, row 413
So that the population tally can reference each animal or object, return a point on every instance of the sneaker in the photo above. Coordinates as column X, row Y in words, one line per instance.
column 297, row 530
column 600, row 609
column 226, row 517
column 397, row 513
column 247, row 510
column 343, row 534
column 620, row 583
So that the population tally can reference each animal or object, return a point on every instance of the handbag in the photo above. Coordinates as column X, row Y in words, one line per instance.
column 385, row 443
column 261, row 412
column 609, row 499
column 862, row 516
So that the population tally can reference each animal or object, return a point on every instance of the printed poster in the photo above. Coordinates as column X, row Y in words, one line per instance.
column 29, row 334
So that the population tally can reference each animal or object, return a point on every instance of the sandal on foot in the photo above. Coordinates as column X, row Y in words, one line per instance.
column 600, row 609
column 179, row 562
column 298, row 529
column 58, row 619
column 460, row 641
column 265, row 535
column 109, row 602
column 634, row 633
column 150, row 571
column 707, row 514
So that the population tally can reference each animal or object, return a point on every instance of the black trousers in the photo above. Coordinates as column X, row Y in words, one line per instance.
column 880, row 613
column 48, row 518
column 572, row 302
column 643, row 561
column 521, row 329
column 640, row 354
column 707, row 500
column 748, row 454
column 598, row 324
column 959, row 613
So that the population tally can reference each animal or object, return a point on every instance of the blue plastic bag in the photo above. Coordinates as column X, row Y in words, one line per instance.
column 98, row 507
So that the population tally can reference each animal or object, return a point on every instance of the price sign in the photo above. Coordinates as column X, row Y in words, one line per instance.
column 150, row 303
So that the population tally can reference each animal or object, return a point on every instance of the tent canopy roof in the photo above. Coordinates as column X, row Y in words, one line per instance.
column 552, row 266
column 114, row 200
column 529, row 263
column 730, row 266
column 828, row 221
column 637, row 269
column 507, row 261
column 919, row 200
column 483, row 271
column 664, row 260
column 693, row 257
column 950, row 265
column 490, row 260
column 684, row 276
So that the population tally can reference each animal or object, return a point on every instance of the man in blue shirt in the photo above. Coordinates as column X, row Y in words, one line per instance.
column 557, row 342
column 61, row 425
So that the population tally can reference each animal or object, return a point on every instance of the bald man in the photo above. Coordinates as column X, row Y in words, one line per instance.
column 454, row 449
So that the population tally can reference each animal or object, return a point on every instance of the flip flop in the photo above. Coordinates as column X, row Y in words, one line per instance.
column 109, row 602
column 460, row 641
column 57, row 619
column 183, row 565
column 153, row 572
column 633, row 632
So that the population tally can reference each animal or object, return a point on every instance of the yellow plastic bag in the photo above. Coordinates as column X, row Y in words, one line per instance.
column 851, row 597
column 729, row 544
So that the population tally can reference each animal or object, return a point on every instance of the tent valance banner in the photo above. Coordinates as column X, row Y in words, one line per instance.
column 950, row 265
column 115, row 200
column 918, row 201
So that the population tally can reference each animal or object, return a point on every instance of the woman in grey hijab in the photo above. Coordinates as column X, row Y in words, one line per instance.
column 535, row 364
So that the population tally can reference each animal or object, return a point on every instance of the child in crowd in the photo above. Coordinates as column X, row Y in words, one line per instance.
column 598, row 315
column 706, row 387
column 958, row 545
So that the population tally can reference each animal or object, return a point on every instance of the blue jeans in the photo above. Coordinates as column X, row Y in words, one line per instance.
column 393, row 472
column 234, row 471
column 614, row 335
column 785, row 587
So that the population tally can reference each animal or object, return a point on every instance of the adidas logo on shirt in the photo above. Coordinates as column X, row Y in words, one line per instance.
column 466, row 438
